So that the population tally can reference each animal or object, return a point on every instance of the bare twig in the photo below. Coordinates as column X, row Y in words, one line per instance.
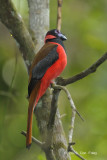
column 47, row 149
column 63, row 115
column 70, row 149
column 69, row 98
column 70, row 136
column 59, row 15
column 91, row 69
column 40, row 144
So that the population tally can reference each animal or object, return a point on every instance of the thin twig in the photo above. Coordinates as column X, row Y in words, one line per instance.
column 63, row 115
column 78, row 155
column 40, row 144
column 59, row 15
column 69, row 98
column 70, row 136
column 91, row 69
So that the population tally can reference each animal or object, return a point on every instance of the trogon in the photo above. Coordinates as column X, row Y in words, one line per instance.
column 48, row 63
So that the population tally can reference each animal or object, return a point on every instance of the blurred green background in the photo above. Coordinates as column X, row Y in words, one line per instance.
column 85, row 25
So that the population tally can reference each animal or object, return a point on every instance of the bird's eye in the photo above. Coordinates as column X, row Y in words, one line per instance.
column 57, row 31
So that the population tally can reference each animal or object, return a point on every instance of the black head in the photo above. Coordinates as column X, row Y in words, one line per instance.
column 54, row 34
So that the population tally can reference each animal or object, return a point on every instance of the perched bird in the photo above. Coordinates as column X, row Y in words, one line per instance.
column 48, row 63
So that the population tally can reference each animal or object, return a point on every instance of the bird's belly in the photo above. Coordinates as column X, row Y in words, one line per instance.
column 56, row 69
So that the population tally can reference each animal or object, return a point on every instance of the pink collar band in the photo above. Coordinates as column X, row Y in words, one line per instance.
column 49, row 37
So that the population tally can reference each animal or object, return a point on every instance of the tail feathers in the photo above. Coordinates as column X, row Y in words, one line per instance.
column 29, row 128
column 32, row 100
column 30, row 118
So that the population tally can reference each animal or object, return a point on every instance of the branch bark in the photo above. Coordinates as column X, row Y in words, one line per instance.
column 83, row 74
column 38, row 21
column 13, row 21
column 40, row 144
column 51, row 122
column 59, row 15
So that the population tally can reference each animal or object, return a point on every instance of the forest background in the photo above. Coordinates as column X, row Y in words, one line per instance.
column 85, row 25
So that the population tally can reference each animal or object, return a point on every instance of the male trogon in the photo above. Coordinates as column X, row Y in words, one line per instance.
column 48, row 63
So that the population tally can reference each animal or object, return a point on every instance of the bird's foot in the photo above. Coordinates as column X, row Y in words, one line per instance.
column 52, row 83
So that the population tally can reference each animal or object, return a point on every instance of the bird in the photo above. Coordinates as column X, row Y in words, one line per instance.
column 47, row 65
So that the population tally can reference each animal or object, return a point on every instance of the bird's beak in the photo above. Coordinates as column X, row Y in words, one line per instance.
column 62, row 36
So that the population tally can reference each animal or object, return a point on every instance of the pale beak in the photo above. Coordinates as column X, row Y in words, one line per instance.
column 62, row 36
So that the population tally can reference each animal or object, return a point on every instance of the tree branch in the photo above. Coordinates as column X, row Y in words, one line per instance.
column 74, row 111
column 56, row 142
column 70, row 149
column 49, row 139
column 40, row 144
column 56, row 87
column 48, row 150
column 69, row 98
column 38, row 21
column 91, row 69
column 13, row 21
column 59, row 15
column 52, row 117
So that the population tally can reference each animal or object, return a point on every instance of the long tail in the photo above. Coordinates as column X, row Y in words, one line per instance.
column 36, row 94
column 32, row 104
column 29, row 128
column 29, row 123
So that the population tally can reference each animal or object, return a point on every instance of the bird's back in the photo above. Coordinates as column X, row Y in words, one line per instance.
column 41, row 55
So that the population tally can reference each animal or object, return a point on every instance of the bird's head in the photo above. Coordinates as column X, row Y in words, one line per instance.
column 52, row 34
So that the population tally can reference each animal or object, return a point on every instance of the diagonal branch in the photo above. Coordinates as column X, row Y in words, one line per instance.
column 47, row 149
column 69, row 98
column 78, row 155
column 13, row 21
column 40, row 144
column 91, row 69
